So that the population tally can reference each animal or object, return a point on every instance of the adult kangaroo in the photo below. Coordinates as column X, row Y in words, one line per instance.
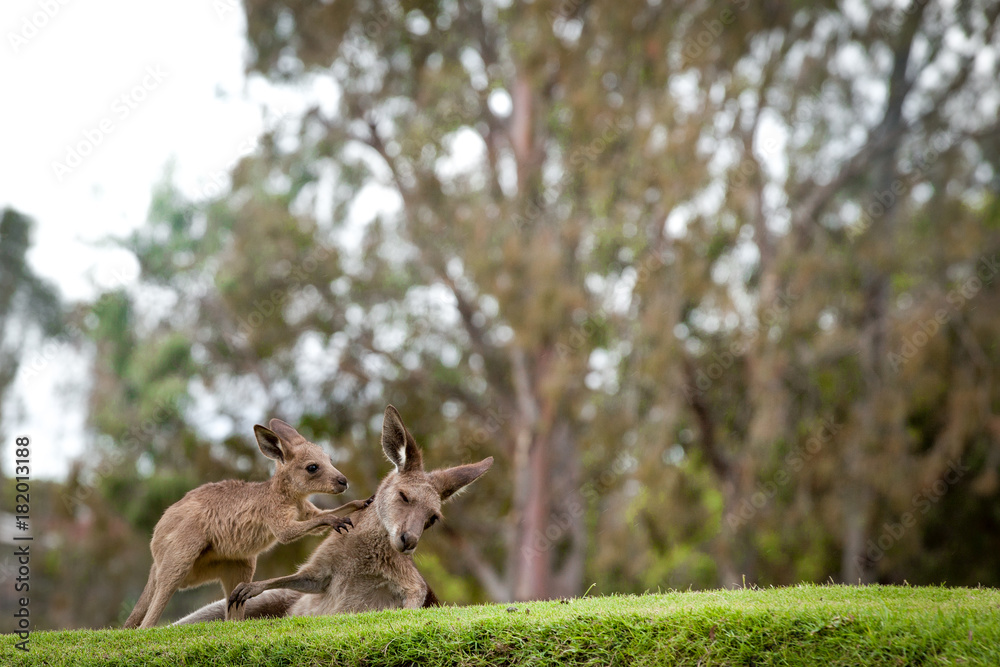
column 371, row 567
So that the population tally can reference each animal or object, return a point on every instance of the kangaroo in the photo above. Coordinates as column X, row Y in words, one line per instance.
column 216, row 531
column 371, row 567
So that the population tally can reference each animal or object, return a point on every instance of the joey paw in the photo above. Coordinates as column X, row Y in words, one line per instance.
column 340, row 523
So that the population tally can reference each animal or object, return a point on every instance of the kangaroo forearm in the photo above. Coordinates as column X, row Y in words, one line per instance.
column 293, row 530
column 303, row 583
column 352, row 506
column 310, row 511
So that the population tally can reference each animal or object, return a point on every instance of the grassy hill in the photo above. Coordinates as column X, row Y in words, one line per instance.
column 828, row 625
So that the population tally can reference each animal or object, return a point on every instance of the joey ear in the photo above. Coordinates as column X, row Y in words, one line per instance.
column 285, row 431
column 397, row 443
column 450, row 481
column 269, row 443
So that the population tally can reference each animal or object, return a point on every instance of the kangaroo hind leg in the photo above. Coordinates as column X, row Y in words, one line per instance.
column 232, row 573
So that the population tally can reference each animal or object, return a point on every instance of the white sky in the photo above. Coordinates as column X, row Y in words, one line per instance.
column 64, row 71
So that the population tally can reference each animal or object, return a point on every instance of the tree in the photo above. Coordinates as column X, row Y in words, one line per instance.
column 29, row 305
column 657, row 257
column 755, row 101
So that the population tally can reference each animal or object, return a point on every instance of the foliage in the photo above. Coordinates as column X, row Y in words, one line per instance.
column 29, row 305
column 831, row 625
column 714, row 283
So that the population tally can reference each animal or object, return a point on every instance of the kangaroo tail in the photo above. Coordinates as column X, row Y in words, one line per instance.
column 269, row 604
column 213, row 611
column 139, row 612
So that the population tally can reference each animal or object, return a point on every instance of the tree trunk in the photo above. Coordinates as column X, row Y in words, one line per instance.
column 725, row 561
column 532, row 573
column 569, row 515
column 854, row 566
column 859, row 494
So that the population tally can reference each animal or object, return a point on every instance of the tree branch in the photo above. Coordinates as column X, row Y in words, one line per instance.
column 716, row 459
column 484, row 572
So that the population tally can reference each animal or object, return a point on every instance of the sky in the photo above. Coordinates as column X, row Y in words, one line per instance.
column 100, row 98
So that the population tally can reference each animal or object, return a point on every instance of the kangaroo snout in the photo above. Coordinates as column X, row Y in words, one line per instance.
column 407, row 542
column 337, row 485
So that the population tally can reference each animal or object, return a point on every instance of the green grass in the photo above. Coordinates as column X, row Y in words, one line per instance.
column 825, row 625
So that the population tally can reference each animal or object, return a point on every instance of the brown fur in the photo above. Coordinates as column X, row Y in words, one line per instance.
column 371, row 567
column 216, row 531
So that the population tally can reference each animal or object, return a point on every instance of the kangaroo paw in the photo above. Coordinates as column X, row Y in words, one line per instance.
column 239, row 597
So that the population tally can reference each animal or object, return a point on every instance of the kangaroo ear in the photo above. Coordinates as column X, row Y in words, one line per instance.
column 285, row 431
column 269, row 443
column 397, row 443
column 450, row 481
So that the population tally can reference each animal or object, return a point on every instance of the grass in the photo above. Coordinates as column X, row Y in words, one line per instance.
column 825, row 625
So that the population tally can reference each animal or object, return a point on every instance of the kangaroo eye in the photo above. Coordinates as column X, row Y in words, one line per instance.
column 431, row 521
column 403, row 496
column 312, row 467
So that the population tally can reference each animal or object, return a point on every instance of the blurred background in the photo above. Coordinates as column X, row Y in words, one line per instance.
column 715, row 282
